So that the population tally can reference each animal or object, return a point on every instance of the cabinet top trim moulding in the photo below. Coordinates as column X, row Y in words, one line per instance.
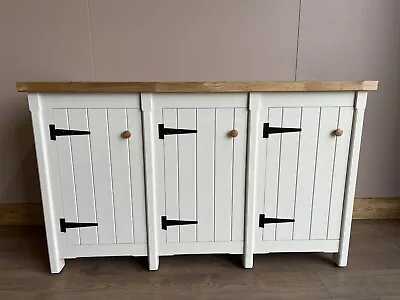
column 196, row 87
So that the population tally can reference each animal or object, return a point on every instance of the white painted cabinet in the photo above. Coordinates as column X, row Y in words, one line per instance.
column 97, row 176
column 201, row 172
column 302, row 171
column 152, row 174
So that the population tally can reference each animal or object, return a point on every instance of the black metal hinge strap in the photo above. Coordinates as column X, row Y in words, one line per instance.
column 54, row 132
column 263, row 220
column 267, row 130
column 162, row 131
column 64, row 225
column 165, row 222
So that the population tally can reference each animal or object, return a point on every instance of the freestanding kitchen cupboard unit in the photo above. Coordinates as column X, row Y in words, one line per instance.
column 150, row 169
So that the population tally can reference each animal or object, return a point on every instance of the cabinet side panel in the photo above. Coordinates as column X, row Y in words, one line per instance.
column 339, row 172
column 272, row 168
column 117, row 123
column 67, row 180
column 102, row 175
column 354, row 151
column 305, row 172
column 287, row 172
column 171, row 164
column 82, row 158
column 205, row 174
column 135, row 145
column 187, row 174
column 223, row 174
column 239, row 173
column 46, row 152
column 323, row 173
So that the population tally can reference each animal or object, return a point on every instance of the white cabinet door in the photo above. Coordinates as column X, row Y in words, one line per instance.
column 201, row 172
column 101, row 178
column 301, row 174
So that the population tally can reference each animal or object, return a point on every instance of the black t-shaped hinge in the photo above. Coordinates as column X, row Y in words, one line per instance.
column 263, row 220
column 64, row 225
column 267, row 130
column 165, row 222
column 162, row 131
column 54, row 132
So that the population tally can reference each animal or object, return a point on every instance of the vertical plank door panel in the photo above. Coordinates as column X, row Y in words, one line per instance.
column 339, row 172
column 135, row 145
column 81, row 155
column 239, row 173
column 223, row 174
column 205, row 174
column 287, row 172
column 102, row 175
column 67, row 180
column 171, row 164
column 117, row 123
column 323, row 172
column 187, row 174
column 272, row 173
column 305, row 172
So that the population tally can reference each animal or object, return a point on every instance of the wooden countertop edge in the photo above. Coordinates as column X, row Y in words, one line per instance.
column 196, row 87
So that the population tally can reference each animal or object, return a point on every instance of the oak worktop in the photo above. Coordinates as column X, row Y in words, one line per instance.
column 196, row 87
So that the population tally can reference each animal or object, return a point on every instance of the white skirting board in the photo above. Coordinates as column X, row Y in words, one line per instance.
column 328, row 246
column 105, row 250
column 202, row 248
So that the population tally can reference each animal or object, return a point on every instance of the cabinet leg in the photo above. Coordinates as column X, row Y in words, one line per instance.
column 153, row 263
column 56, row 265
column 247, row 261
column 340, row 259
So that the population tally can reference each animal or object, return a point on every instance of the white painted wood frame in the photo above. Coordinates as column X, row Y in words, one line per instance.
column 301, row 175
column 201, row 176
column 358, row 119
column 253, row 133
column 220, row 183
column 153, row 223
column 48, row 184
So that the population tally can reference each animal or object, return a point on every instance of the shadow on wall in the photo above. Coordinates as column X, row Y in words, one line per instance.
column 20, row 179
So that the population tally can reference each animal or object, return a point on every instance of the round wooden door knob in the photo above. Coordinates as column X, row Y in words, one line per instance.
column 126, row 134
column 338, row 132
column 234, row 133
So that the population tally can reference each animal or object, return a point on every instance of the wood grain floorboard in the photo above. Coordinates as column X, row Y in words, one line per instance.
column 373, row 272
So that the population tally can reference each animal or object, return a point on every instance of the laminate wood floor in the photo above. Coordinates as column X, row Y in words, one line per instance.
column 373, row 272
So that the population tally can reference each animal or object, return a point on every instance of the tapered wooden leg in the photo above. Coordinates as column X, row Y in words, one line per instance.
column 341, row 259
column 56, row 265
column 247, row 261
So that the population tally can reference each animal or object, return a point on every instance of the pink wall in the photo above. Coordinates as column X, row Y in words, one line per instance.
column 185, row 40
